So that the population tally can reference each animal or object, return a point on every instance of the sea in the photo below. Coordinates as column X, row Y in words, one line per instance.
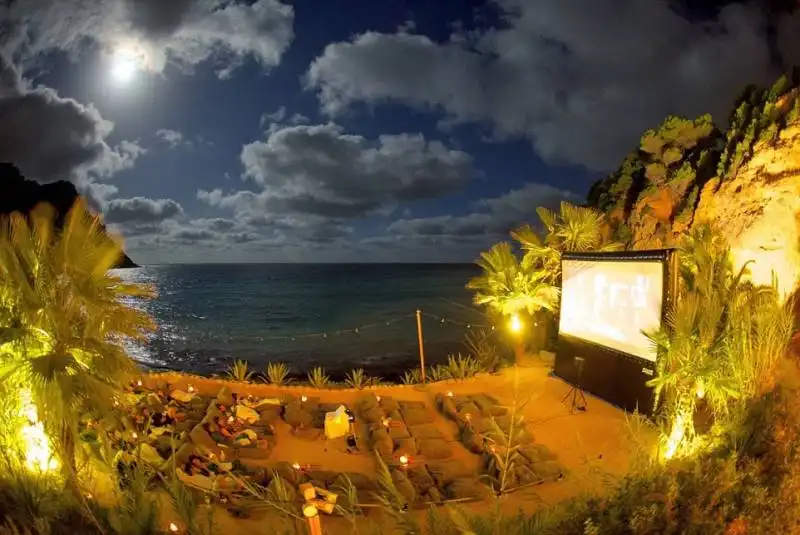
column 338, row 316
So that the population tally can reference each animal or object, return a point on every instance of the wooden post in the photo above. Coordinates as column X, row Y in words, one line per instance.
column 421, row 348
column 312, row 517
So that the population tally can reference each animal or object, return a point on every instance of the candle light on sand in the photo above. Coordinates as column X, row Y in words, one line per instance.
column 404, row 460
column 378, row 398
column 385, row 422
column 450, row 394
column 191, row 388
column 173, row 527
column 296, row 466
column 304, row 399
column 139, row 382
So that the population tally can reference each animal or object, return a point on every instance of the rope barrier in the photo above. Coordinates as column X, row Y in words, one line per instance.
column 368, row 326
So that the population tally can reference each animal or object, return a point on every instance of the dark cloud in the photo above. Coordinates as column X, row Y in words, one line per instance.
column 53, row 138
column 186, row 32
column 581, row 82
column 493, row 218
column 322, row 171
column 141, row 210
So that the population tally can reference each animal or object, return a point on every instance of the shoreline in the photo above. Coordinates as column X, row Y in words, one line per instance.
column 387, row 368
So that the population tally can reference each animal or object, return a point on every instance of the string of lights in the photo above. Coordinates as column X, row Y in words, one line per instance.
column 355, row 331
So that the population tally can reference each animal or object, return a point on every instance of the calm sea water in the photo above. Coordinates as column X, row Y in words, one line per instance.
column 304, row 314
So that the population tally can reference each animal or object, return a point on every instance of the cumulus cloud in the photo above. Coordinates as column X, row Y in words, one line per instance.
column 185, row 32
column 141, row 210
column 580, row 82
column 52, row 138
column 322, row 171
column 173, row 138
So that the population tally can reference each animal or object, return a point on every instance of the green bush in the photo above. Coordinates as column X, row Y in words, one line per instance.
column 239, row 371
column 461, row 367
column 412, row 377
column 318, row 378
column 277, row 373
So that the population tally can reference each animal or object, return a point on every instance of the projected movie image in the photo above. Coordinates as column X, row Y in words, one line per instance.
column 610, row 302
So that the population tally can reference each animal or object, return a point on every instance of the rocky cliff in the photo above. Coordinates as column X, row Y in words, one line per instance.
column 745, row 180
column 18, row 194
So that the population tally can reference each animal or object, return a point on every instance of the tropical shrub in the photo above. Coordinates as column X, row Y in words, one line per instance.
column 358, row 379
column 461, row 367
column 318, row 378
column 240, row 371
column 277, row 373
column 722, row 343
column 412, row 377
column 64, row 319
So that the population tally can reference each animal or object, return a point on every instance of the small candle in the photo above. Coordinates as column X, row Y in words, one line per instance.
column 378, row 398
column 139, row 382
column 191, row 388
column 134, row 435
column 450, row 394
column 304, row 399
column 173, row 527
column 386, row 422
column 296, row 466
column 403, row 460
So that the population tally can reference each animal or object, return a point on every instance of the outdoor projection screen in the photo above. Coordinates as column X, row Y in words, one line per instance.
column 611, row 302
column 607, row 300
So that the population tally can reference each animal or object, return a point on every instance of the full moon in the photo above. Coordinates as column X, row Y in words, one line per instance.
column 124, row 65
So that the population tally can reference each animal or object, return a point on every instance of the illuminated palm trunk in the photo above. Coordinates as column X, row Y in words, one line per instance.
column 38, row 455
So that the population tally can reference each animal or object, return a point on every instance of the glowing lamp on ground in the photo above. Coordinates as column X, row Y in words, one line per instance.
column 304, row 399
column 450, row 394
column 404, row 460
column 378, row 398
column 173, row 527
column 296, row 466
column 385, row 422
column 515, row 324
column 38, row 455
column 700, row 389
column 139, row 382
column 191, row 388
column 134, row 436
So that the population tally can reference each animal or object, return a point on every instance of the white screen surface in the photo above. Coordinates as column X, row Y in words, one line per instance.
column 611, row 302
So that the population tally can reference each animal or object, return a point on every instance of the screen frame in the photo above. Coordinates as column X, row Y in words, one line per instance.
column 605, row 365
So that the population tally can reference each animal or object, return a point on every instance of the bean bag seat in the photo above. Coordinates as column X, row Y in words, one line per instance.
column 398, row 430
column 536, row 453
column 416, row 416
column 381, row 442
column 463, row 488
column 548, row 470
column 421, row 432
column 388, row 404
column 404, row 486
column 444, row 472
column 405, row 446
column 296, row 417
column 435, row 449
column 421, row 479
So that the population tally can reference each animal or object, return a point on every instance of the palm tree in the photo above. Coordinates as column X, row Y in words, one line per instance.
column 64, row 319
column 722, row 340
column 572, row 229
column 509, row 287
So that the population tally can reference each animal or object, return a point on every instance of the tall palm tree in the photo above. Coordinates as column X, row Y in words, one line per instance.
column 572, row 229
column 722, row 339
column 64, row 319
column 508, row 287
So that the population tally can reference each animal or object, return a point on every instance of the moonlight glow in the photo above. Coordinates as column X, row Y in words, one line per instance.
column 125, row 63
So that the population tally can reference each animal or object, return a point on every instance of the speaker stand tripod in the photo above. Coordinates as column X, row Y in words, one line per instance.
column 575, row 393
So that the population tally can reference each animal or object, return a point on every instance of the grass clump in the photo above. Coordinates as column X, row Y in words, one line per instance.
column 239, row 371
column 412, row 377
column 461, row 367
column 358, row 379
column 277, row 373
column 318, row 377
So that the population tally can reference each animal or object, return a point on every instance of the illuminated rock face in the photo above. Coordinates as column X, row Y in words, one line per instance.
column 758, row 211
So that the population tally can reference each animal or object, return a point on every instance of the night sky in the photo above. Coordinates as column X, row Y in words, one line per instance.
column 356, row 130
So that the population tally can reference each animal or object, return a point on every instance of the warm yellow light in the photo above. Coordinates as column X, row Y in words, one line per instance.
column 515, row 324
column 230, row 419
column 378, row 398
column 309, row 511
column 701, row 389
column 385, row 422
column 191, row 389
column 296, row 466
column 304, row 398
column 134, row 435
column 403, row 460
column 139, row 382
column 675, row 437
column 37, row 447
column 173, row 527
column 450, row 394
